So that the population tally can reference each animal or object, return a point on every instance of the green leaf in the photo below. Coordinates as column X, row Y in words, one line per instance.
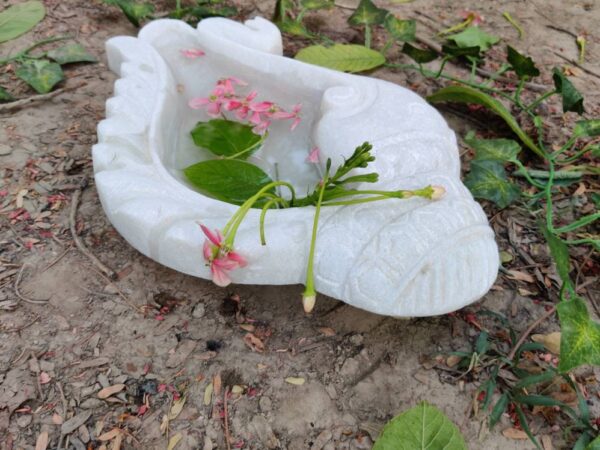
column 226, row 138
column 474, row 37
column 483, row 344
column 499, row 408
column 19, row 19
column 501, row 150
column 294, row 28
column 202, row 12
column 572, row 100
column 488, row 180
column 420, row 55
column 134, row 11
column 401, row 30
column 587, row 128
column 229, row 180
column 342, row 57
column 525, row 425
column 367, row 14
column 594, row 445
column 5, row 95
column 70, row 53
column 423, row 426
column 317, row 4
column 42, row 75
column 560, row 255
column 523, row 65
column 538, row 400
column 456, row 51
column 544, row 377
column 580, row 335
column 465, row 94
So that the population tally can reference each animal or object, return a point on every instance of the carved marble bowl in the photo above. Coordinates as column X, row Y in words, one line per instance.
column 396, row 257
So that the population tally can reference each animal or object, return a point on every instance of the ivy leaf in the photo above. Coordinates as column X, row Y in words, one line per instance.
column 226, row 138
column 587, row 128
column 134, row 11
column 294, row 28
column 580, row 336
column 367, row 14
column 572, row 99
column 40, row 74
column 342, row 57
column 317, row 4
column 400, row 30
column 421, row 56
column 560, row 255
column 488, row 180
column 5, row 95
column 474, row 37
column 19, row 19
column 423, row 426
column 70, row 53
column 456, row 51
column 229, row 180
column 523, row 65
column 500, row 150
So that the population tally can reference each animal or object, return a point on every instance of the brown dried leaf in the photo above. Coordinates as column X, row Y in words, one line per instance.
column 550, row 341
column 177, row 408
column 42, row 441
column 109, row 435
column 110, row 390
column 217, row 384
column 513, row 433
column 247, row 327
column 453, row 360
column 520, row 276
column 57, row 419
column 255, row 344
column 326, row 331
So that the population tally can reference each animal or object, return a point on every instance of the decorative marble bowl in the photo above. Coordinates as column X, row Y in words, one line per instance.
column 395, row 257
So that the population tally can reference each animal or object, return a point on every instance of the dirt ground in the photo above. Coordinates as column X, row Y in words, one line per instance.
column 159, row 336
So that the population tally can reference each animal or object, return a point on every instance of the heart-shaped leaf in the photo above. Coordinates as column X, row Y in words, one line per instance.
column 226, row 138
column 501, row 150
column 474, row 37
column 580, row 336
column 342, row 57
column 317, row 4
column 20, row 18
column 42, row 75
column 421, row 56
column 133, row 10
column 572, row 100
column 488, row 180
column 423, row 426
column 587, row 128
column 367, row 14
column 294, row 28
column 5, row 95
column 523, row 65
column 70, row 53
column 229, row 180
column 400, row 30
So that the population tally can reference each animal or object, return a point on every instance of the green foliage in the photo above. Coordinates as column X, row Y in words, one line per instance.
column 572, row 100
column 499, row 409
column 5, row 95
column 523, row 66
column 342, row 57
column 40, row 74
column 500, row 150
column 70, row 53
column 587, row 128
column 474, row 37
column 294, row 28
column 594, row 445
column 580, row 335
column 133, row 10
column 421, row 427
column 225, row 137
column 19, row 19
column 421, row 56
column 229, row 180
column 560, row 255
column 488, row 180
column 317, row 4
column 400, row 30
column 367, row 14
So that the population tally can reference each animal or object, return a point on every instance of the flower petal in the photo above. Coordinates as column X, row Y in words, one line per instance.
column 220, row 277
column 239, row 259
column 215, row 238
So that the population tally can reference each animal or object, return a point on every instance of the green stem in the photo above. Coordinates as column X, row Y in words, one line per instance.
column 301, row 15
column 540, row 99
column 518, row 94
column 514, row 23
column 567, row 146
column 249, row 149
column 494, row 76
column 368, row 36
column 357, row 202
column 575, row 157
column 263, row 213
column 523, row 171
column 582, row 222
column 35, row 45
column 548, row 192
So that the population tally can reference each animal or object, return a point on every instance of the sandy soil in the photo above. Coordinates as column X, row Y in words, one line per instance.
column 85, row 333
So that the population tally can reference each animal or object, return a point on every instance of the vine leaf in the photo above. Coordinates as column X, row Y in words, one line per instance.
column 474, row 37
column 134, row 11
column 420, row 55
column 523, row 65
column 367, row 14
column 70, row 53
column 42, row 75
column 487, row 179
column 423, row 426
column 400, row 30
column 19, row 19
column 317, row 4
column 560, row 255
column 572, row 100
column 342, row 57
column 587, row 128
column 501, row 150
column 224, row 137
column 580, row 336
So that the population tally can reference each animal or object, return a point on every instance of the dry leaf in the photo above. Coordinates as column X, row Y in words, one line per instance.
column 247, row 327
column 237, row 390
column 547, row 442
column 513, row 433
column 174, row 441
column 57, row 419
column 255, row 344
column 326, row 331
column 520, row 276
column 164, row 424
column 208, row 394
column 453, row 360
column 177, row 408
column 298, row 381
column 109, row 435
column 217, row 384
column 117, row 442
column 110, row 390
column 42, row 441
column 550, row 341
column 44, row 378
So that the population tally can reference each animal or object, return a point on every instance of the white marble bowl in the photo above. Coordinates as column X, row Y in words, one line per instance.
column 396, row 257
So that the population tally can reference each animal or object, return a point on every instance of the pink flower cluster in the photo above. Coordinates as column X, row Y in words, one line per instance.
column 221, row 259
column 260, row 114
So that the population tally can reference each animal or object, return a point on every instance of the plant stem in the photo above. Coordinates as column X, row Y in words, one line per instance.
column 24, row 52
column 368, row 36
column 540, row 99
column 263, row 213
column 523, row 171
column 585, row 220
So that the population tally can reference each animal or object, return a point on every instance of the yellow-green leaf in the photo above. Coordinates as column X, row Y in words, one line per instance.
column 40, row 74
column 342, row 57
column 70, row 53
column 474, row 37
column 19, row 19
column 367, row 14
column 580, row 335
column 487, row 179
column 401, row 30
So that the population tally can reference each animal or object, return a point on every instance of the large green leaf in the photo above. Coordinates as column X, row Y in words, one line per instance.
column 20, row 18
column 594, row 445
column 560, row 254
column 587, row 128
column 342, row 57
column 367, row 14
column 226, row 138
column 40, row 74
column 474, row 37
column 572, row 100
column 133, row 10
column 5, row 95
column 70, row 53
column 229, row 180
column 420, row 55
column 501, row 150
column 465, row 94
column 488, row 180
column 580, row 336
column 400, row 30
column 317, row 4
column 523, row 65
column 421, row 427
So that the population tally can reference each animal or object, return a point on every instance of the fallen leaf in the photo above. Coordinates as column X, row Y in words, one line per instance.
column 237, row 390
column 110, row 390
column 217, row 384
column 57, row 419
column 109, row 435
column 208, row 394
column 177, row 408
column 550, row 341
column 75, row 422
column 547, row 442
column 94, row 362
column 44, row 378
column 520, row 276
column 255, row 344
column 298, row 381
column 247, row 327
column 326, row 331
column 513, row 433
column 453, row 360
column 42, row 441
column 174, row 441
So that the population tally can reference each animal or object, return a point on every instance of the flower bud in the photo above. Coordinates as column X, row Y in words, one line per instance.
column 438, row 192
column 308, row 301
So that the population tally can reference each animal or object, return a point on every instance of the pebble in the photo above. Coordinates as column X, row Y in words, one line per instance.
column 199, row 311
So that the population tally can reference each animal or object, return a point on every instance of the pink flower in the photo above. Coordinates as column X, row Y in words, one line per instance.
column 220, row 258
column 192, row 53
column 475, row 18
column 262, row 127
column 241, row 106
column 212, row 103
column 295, row 114
column 313, row 156
column 228, row 83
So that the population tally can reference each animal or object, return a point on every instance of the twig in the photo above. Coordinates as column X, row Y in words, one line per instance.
column 18, row 104
column 22, row 327
column 57, row 259
column 226, row 419
column 575, row 63
column 79, row 243
column 528, row 331
column 21, row 296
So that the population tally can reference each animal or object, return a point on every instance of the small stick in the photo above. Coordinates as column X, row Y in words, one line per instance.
column 226, row 419
column 18, row 104
column 57, row 259
column 528, row 331
column 79, row 243
column 21, row 296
